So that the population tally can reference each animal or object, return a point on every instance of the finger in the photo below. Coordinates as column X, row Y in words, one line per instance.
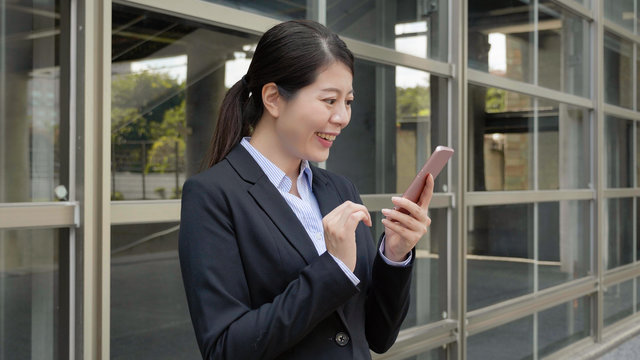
column 354, row 219
column 353, row 207
column 408, row 205
column 338, row 211
column 427, row 193
column 405, row 220
column 404, row 233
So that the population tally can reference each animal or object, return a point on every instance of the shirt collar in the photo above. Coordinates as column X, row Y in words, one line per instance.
column 276, row 176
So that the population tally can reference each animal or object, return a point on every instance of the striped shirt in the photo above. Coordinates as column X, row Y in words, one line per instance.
column 306, row 206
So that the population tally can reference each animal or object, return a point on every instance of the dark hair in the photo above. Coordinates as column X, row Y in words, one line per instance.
column 290, row 54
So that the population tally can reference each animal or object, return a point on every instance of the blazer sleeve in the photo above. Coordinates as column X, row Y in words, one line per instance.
column 226, row 325
column 388, row 298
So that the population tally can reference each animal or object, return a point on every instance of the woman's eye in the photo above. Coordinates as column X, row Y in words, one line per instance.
column 349, row 102
column 330, row 101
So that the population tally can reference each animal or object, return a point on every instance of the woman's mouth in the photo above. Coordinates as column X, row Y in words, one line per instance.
column 325, row 139
column 326, row 136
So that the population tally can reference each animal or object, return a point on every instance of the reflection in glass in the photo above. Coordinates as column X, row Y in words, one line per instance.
column 637, row 294
column 510, row 341
column 501, row 38
column 398, row 117
column 283, row 10
column 31, row 297
column 415, row 28
column 563, row 242
column 32, row 105
column 564, row 146
column 562, row 325
column 637, row 154
column 620, row 12
column 148, row 302
column 618, row 302
column 619, row 229
column 428, row 300
column 169, row 77
column 619, row 152
column 638, row 230
column 500, row 254
column 617, row 70
column 563, row 50
column 501, row 140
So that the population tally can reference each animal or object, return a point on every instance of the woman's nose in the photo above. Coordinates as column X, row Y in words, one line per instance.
column 340, row 116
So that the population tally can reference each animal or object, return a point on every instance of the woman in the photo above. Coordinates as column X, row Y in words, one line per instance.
column 276, row 259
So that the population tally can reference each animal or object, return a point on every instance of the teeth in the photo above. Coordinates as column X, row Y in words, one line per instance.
column 326, row 136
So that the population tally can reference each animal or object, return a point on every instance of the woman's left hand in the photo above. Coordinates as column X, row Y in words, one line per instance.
column 404, row 231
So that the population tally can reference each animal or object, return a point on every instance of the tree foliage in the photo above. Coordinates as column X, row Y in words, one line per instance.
column 411, row 102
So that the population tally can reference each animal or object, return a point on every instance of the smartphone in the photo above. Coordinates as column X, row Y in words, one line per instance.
column 433, row 166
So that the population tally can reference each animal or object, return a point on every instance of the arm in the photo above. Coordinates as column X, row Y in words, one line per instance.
column 387, row 296
column 218, row 295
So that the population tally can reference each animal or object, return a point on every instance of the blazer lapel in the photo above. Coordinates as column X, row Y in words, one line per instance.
column 327, row 197
column 272, row 203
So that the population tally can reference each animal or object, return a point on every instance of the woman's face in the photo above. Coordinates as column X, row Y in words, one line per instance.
column 309, row 122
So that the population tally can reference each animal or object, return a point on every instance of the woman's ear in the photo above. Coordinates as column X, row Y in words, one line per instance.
column 271, row 99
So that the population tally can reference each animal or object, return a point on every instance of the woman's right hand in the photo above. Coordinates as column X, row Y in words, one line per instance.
column 340, row 231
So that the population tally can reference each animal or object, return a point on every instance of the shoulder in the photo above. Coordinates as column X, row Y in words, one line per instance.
column 218, row 179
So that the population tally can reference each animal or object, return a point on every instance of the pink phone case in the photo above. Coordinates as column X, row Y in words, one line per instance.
column 433, row 166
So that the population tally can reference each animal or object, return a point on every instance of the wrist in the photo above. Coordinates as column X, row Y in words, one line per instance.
column 395, row 257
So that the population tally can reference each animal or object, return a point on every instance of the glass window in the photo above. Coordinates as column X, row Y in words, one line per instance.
column 501, row 38
column 638, row 229
column 169, row 77
column 620, row 12
column 619, row 152
column 564, row 146
column 564, row 247
column 638, row 294
column 563, row 50
column 428, row 285
column 562, row 325
column 619, row 228
column 637, row 78
column 33, row 300
column 33, row 122
column 398, row 118
column 618, row 302
column 637, row 154
column 500, row 140
column 500, row 254
column 148, row 302
column 283, row 10
column 417, row 28
column 617, row 70
column 510, row 341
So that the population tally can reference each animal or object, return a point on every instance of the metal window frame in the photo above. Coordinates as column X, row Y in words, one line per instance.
column 39, row 215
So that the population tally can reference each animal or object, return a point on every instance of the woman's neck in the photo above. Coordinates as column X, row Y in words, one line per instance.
column 271, row 148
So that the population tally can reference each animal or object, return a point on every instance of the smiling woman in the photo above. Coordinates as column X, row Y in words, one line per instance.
column 276, row 252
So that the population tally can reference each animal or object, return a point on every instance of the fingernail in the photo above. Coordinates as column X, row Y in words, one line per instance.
column 385, row 211
column 395, row 198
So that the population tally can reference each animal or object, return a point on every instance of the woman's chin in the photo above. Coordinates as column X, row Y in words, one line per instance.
column 319, row 156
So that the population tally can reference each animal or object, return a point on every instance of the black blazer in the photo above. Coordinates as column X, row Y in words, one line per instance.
column 255, row 284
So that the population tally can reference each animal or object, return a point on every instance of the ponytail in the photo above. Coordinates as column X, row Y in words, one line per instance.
column 235, row 121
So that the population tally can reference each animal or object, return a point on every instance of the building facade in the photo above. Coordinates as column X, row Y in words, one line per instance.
column 106, row 107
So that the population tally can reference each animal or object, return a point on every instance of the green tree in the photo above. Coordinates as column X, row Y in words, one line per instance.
column 139, row 104
column 411, row 102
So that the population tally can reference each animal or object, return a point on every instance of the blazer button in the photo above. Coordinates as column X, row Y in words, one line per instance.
column 342, row 339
